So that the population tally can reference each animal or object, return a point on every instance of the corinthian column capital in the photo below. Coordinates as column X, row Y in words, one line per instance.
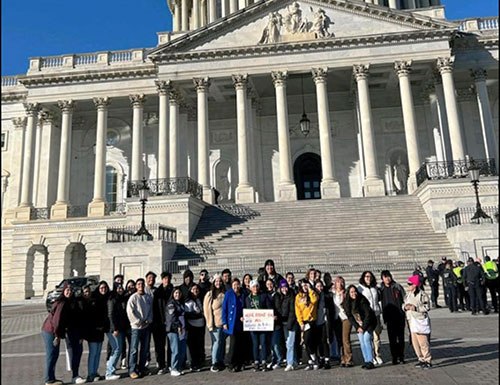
column 240, row 80
column 361, row 71
column 403, row 67
column 45, row 117
column 102, row 103
column 174, row 96
column 279, row 78
column 163, row 86
column 19, row 122
column 137, row 100
column 319, row 75
column 445, row 64
column 478, row 74
column 32, row 108
column 66, row 105
column 201, row 84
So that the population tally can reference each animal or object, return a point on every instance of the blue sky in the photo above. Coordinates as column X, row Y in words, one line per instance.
column 53, row 27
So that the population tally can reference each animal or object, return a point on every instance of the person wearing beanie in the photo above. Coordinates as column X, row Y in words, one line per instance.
column 284, row 305
column 269, row 272
column 188, row 281
column 417, row 306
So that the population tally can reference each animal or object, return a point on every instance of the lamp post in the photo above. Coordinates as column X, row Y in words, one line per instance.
column 474, row 177
column 143, row 197
column 305, row 123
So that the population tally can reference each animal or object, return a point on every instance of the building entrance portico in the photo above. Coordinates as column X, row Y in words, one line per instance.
column 307, row 174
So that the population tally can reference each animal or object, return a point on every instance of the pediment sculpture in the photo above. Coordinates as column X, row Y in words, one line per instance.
column 294, row 26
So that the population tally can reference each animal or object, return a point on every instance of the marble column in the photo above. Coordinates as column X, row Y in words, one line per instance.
column 17, row 141
column 24, row 209
column 97, row 207
column 483, row 102
column 185, row 16
column 177, row 19
column 195, row 15
column 233, row 6
column 244, row 191
column 403, row 69
column 330, row 187
column 37, row 152
column 163, row 88
column 137, row 102
column 224, row 5
column 373, row 184
column 173, row 132
column 242, row 4
column 60, row 208
column 287, row 191
column 212, row 11
column 393, row 4
column 202, row 85
column 445, row 66
column 203, row 13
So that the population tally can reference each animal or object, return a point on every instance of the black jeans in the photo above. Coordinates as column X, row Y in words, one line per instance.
column 463, row 297
column 235, row 358
column 161, row 343
column 476, row 297
column 196, row 345
column 434, row 292
column 322, row 338
column 492, row 285
column 75, row 350
column 451, row 292
column 311, row 340
column 396, row 333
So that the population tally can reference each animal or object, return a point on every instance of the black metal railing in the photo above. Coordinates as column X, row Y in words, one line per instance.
column 167, row 186
column 453, row 169
column 40, row 213
column 127, row 234
column 463, row 215
column 115, row 209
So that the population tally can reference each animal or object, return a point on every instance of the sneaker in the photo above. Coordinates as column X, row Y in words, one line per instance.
column 327, row 365
column 419, row 364
column 124, row 364
column 112, row 377
column 146, row 364
column 55, row 382
column 161, row 371
column 289, row 368
column 379, row 360
column 78, row 380
column 255, row 367
column 275, row 366
column 175, row 373
column 309, row 367
column 427, row 365
column 214, row 369
column 195, row 369
column 369, row 366
column 134, row 376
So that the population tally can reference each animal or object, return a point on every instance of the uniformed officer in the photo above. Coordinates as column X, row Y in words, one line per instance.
column 474, row 280
column 450, row 286
column 433, row 279
column 462, row 295
column 491, row 271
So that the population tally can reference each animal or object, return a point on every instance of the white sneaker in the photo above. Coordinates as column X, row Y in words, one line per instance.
column 275, row 366
column 175, row 373
column 315, row 367
column 289, row 368
column 124, row 363
column 78, row 380
column 379, row 361
column 112, row 377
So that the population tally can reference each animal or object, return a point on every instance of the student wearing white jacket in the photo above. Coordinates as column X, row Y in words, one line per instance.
column 368, row 288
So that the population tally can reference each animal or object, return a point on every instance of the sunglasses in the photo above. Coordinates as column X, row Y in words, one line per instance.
column 409, row 283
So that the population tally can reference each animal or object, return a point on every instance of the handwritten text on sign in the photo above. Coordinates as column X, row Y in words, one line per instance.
column 258, row 320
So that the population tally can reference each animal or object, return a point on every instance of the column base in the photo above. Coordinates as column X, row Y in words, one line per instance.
column 208, row 195
column 330, row 189
column 8, row 216
column 245, row 194
column 22, row 213
column 97, row 209
column 59, row 211
column 374, row 187
column 286, row 192
column 412, row 184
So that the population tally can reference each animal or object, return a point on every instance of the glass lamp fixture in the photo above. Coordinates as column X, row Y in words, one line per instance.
column 305, row 123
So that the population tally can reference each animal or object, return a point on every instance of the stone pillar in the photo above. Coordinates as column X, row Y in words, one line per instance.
column 287, row 191
column 203, row 13
column 185, row 15
column 329, row 185
column 163, row 88
column 24, row 209
column 242, row 4
column 233, row 6
column 174, row 133
column 202, row 85
column 224, row 6
column 393, row 4
column 443, row 119
column 60, row 208
column 195, row 15
column 483, row 101
column 212, row 11
column 445, row 66
column 137, row 102
column 36, row 158
column 244, row 191
column 177, row 20
column 438, row 144
column 403, row 69
column 373, row 184
column 97, row 207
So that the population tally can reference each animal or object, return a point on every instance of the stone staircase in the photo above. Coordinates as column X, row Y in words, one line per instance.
column 338, row 235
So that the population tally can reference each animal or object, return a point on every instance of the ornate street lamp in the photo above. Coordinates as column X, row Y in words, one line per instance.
column 474, row 177
column 143, row 197
column 305, row 123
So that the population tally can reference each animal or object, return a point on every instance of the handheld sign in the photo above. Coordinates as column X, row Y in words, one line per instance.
column 258, row 320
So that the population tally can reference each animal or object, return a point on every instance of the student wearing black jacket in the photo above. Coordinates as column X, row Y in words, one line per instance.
column 324, row 323
column 284, row 305
column 118, row 325
column 195, row 325
column 160, row 298
column 74, row 336
column 363, row 319
column 176, row 330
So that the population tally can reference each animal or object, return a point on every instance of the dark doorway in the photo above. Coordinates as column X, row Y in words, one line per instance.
column 307, row 174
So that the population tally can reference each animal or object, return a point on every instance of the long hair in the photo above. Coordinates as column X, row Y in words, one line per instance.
column 243, row 281
column 216, row 291
column 309, row 272
column 373, row 282
column 339, row 281
column 352, row 304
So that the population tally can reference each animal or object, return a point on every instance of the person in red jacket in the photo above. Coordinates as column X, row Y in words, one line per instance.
column 53, row 331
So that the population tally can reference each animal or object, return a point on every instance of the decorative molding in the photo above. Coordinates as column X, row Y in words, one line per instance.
column 19, row 122
column 102, row 103
column 392, row 125
column 222, row 136
column 137, row 100
column 66, row 105
column 319, row 75
column 479, row 74
column 240, row 81
column 32, row 109
column 445, row 64
column 361, row 71
column 174, row 96
column 403, row 67
column 163, row 86
column 465, row 94
column 201, row 84
column 45, row 116
column 279, row 78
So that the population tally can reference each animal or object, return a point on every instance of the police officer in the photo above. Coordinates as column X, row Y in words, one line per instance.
column 462, row 295
column 440, row 269
column 474, row 280
column 450, row 286
column 433, row 279
column 491, row 272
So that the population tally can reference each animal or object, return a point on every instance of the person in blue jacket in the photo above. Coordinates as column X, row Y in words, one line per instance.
column 232, row 320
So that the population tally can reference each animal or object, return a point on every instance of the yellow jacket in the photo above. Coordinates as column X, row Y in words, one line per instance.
column 303, row 312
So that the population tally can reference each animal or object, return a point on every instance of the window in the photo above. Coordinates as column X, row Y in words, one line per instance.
column 111, row 187
column 4, row 141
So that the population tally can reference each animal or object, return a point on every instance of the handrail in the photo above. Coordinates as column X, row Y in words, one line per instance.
column 128, row 234
column 463, row 215
column 167, row 186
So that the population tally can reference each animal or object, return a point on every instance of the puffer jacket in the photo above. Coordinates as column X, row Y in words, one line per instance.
column 421, row 303
column 174, row 317
column 371, row 294
column 284, row 306
column 212, row 308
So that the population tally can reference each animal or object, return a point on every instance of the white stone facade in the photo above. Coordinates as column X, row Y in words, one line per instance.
column 219, row 100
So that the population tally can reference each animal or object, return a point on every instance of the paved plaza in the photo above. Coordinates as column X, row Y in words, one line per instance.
column 464, row 348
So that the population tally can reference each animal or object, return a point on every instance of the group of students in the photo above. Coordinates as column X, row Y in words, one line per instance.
column 317, row 313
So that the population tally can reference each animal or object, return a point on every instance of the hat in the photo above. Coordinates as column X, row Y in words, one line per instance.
column 414, row 280
column 283, row 283
column 254, row 283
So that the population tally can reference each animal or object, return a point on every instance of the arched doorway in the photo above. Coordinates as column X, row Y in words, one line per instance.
column 307, row 174
column 36, row 271
column 75, row 260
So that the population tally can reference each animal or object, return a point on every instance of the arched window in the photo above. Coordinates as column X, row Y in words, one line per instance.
column 111, row 187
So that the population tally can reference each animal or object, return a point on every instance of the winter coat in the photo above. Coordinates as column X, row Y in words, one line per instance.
column 392, row 298
column 117, row 313
column 284, row 306
column 474, row 275
column 304, row 312
column 263, row 302
column 372, row 295
column 95, row 318
column 264, row 277
column 174, row 316
column 449, row 278
column 160, row 298
column 212, row 308
column 232, row 311
column 432, row 275
column 194, row 313
column 363, row 317
column 421, row 302
column 56, row 321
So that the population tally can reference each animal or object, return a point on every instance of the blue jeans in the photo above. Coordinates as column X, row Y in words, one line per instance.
column 178, row 348
column 116, row 344
column 218, row 338
column 138, row 336
column 290, row 347
column 51, row 356
column 75, row 350
column 366, row 342
column 94, row 358
column 276, row 345
column 259, row 339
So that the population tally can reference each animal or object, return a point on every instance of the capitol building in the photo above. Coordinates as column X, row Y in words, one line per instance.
column 325, row 132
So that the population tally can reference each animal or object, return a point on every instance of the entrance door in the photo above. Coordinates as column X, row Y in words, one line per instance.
column 307, row 174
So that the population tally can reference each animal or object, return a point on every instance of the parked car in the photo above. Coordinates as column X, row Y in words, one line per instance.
column 76, row 284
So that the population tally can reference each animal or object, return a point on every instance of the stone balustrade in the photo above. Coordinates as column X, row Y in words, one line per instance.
column 10, row 81
column 478, row 24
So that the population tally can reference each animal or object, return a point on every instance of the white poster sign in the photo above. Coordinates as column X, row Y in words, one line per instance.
column 258, row 320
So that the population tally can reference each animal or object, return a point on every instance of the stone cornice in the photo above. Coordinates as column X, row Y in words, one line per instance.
column 14, row 96
column 141, row 71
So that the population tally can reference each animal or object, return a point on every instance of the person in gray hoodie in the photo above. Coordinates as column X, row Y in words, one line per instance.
column 140, row 315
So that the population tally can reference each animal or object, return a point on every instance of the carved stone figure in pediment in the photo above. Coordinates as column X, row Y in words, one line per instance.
column 321, row 24
column 293, row 20
column 271, row 33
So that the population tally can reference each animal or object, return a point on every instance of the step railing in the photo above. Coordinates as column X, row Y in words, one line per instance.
column 122, row 234
column 167, row 186
column 463, row 216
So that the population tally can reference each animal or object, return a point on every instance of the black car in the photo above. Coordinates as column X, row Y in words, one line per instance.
column 76, row 284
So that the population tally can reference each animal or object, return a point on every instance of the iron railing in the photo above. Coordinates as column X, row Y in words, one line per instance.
column 453, row 169
column 167, row 186
column 40, row 213
column 463, row 215
column 127, row 234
